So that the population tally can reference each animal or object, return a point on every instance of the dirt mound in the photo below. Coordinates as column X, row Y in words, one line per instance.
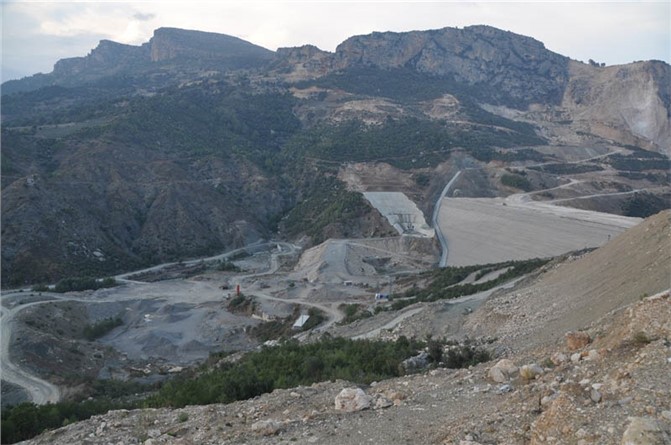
column 362, row 260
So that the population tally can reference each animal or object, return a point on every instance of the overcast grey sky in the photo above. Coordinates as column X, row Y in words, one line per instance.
column 37, row 34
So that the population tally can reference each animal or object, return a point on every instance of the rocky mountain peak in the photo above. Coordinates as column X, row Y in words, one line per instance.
column 107, row 56
column 510, row 64
column 171, row 43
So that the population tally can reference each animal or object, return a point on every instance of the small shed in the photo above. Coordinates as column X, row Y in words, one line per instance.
column 300, row 322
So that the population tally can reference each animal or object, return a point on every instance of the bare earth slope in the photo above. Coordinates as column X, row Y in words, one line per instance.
column 576, row 293
column 484, row 230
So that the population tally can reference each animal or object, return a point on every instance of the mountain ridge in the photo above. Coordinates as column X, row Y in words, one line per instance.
column 244, row 129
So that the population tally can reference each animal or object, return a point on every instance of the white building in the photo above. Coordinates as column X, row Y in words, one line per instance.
column 300, row 322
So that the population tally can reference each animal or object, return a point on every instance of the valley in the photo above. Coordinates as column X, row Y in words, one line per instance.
column 199, row 220
column 176, row 314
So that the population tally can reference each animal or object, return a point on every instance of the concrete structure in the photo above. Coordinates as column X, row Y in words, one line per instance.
column 401, row 213
column 298, row 324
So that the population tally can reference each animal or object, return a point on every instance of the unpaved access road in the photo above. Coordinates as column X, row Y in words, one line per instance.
column 40, row 391
column 199, row 296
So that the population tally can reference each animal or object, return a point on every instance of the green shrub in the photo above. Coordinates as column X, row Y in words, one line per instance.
column 516, row 181
column 97, row 330
column 641, row 338
column 288, row 365
column 227, row 266
column 465, row 356
column 83, row 283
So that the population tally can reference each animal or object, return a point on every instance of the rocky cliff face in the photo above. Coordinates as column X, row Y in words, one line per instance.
column 625, row 102
column 513, row 69
column 172, row 43
column 107, row 58
column 517, row 66
column 186, row 52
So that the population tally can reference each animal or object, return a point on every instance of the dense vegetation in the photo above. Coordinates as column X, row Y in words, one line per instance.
column 516, row 181
column 444, row 281
column 97, row 330
column 567, row 169
column 286, row 366
column 640, row 161
column 410, row 142
column 644, row 204
column 325, row 203
column 74, row 284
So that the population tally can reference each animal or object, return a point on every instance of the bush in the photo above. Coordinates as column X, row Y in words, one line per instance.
column 97, row 330
column 227, row 266
column 435, row 351
column 40, row 288
column 465, row 356
column 83, row 283
column 641, row 338
column 516, row 181
column 288, row 365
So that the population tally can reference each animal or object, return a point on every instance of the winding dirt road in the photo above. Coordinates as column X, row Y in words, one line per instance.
column 40, row 391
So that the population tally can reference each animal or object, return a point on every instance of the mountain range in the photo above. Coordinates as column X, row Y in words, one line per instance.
column 197, row 142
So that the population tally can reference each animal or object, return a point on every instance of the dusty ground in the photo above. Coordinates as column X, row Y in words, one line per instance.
column 612, row 388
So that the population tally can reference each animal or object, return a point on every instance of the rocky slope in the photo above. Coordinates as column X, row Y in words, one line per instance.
column 604, row 382
column 573, row 294
column 629, row 102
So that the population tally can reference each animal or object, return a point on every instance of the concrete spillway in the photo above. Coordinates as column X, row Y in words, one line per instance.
column 401, row 213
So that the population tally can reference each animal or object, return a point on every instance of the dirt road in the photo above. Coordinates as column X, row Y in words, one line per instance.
column 39, row 390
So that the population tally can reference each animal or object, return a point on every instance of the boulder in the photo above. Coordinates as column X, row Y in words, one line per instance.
column 416, row 363
column 530, row 372
column 644, row 431
column 502, row 371
column 595, row 396
column 577, row 340
column 268, row 427
column 497, row 375
column 352, row 399
column 382, row 402
column 558, row 358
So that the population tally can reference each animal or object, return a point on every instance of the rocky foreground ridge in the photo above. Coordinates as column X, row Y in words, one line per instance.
column 608, row 385
column 603, row 381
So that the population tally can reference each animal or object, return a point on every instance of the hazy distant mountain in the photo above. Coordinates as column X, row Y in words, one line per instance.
column 168, row 52
column 195, row 142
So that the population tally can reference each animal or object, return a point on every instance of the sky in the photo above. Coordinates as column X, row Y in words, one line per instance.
column 37, row 34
